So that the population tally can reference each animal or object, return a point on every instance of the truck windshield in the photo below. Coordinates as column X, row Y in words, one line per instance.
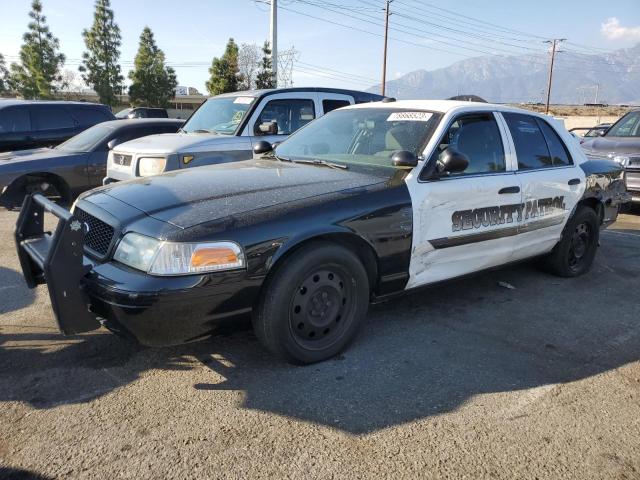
column 365, row 136
column 219, row 115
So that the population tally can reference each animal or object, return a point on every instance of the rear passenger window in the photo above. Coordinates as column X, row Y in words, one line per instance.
column 89, row 116
column 329, row 105
column 478, row 137
column 13, row 120
column 531, row 147
column 51, row 118
column 559, row 153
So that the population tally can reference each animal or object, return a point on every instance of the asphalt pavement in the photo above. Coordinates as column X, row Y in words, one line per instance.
column 465, row 380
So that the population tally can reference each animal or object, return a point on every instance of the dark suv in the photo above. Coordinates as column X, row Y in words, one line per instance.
column 143, row 112
column 31, row 124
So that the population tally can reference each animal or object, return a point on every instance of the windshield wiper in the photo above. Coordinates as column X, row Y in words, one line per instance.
column 201, row 130
column 324, row 163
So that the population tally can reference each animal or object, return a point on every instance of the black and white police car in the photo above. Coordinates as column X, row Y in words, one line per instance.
column 364, row 203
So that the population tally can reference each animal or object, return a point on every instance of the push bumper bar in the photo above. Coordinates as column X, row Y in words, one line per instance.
column 55, row 259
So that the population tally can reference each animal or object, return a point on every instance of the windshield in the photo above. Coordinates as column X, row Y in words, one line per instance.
column 365, row 136
column 124, row 113
column 87, row 140
column 219, row 115
column 627, row 126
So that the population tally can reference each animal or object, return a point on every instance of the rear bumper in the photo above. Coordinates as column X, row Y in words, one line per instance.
column 84, row 294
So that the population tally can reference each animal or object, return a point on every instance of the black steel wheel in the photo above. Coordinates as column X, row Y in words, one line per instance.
column 312, row 306
column 574, row 254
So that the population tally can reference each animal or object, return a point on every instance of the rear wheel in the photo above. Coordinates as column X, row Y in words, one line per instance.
column 575, row 252
column 314, row 304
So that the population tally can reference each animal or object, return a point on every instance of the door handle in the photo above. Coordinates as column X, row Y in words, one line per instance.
column 574, row 181
column 515, row 189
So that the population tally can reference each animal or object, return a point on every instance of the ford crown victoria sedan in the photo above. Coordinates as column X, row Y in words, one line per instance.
column 365, row 203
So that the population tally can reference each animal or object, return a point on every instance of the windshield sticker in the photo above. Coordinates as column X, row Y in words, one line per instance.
column 409, row 117
column 243, row 100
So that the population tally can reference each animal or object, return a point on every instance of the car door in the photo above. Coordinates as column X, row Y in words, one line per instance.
column 289, row 112
column 52, row 124
column 552, row 184
column 468, row 221
column 15, row 129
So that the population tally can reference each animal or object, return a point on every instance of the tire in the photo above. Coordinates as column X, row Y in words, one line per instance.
column 575, row 252
column 53, row 189
column 313, row 305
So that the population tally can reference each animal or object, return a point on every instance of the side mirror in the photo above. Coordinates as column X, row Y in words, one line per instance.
column 404, row 159
column 268, row 128
column 113, row 143
column 262, row 147
column 452, row 161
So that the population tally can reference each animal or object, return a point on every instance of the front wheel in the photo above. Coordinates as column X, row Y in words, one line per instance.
column 314, row 304
column 575, row 252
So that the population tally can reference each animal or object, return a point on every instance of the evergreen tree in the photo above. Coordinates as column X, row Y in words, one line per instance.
column 265, row 77
column 153, row 83
column 224, row 71
column 40, row 60
column 4, row 75
column 100, row 66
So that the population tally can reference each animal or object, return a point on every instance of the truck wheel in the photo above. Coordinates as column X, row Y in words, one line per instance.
column 575, row 252
column 314, row 304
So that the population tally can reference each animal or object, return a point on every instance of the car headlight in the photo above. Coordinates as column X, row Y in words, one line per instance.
column 621, row 159
column 157, row 257
column 151, row 166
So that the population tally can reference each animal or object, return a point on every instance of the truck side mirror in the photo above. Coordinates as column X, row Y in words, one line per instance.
column 262, row 147
column 268, row 128
column 113, row 143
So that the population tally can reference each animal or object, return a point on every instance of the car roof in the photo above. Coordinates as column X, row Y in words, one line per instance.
column 270, row 91
column 129, row 122
column 6, row 102
column 443, row 106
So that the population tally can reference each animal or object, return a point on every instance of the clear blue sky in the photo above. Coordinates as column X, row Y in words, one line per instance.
column 191, row 32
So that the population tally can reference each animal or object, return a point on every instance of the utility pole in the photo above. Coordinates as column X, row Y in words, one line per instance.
column 273, row 29
column 554, row 44
column 386, row 34
column 597, row 92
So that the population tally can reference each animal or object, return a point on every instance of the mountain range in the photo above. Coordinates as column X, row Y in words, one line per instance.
column 577, row 78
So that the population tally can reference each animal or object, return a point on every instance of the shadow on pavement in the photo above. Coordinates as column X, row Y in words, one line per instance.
column 13, row 291
column 19, row 474
column 421, row 355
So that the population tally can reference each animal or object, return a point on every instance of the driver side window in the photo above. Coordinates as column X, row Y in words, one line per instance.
column 478, row 137
column 289, row 114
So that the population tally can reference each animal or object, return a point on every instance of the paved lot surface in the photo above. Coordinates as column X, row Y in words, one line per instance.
column 468, row 380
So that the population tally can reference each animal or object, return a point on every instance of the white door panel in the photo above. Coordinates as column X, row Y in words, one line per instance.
column 462, row 225
column 549, row 201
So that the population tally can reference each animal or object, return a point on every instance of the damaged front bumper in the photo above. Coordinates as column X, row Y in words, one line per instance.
column 85, row 294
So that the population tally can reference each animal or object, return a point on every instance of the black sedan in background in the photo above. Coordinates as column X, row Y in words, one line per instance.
column 79, row 164
column 26, row 124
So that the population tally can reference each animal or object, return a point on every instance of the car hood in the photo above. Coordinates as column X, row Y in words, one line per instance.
column 189, row 197
column 168, row 143
column 31, row 155
column 617, row 145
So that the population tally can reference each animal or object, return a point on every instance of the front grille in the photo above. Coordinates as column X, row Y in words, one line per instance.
column 634, row 162
column 98, row 234
column 121, row 159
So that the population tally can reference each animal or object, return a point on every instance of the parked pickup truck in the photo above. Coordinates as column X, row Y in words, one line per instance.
column 367, row 202
column 225, row 128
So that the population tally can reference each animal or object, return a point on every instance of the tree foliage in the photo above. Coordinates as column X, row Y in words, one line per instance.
column 224, row 73
column 100, row 62
column 248, row 63
column 40, row 61
column 4, row 75
column 153, row 83
column 265, row 77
